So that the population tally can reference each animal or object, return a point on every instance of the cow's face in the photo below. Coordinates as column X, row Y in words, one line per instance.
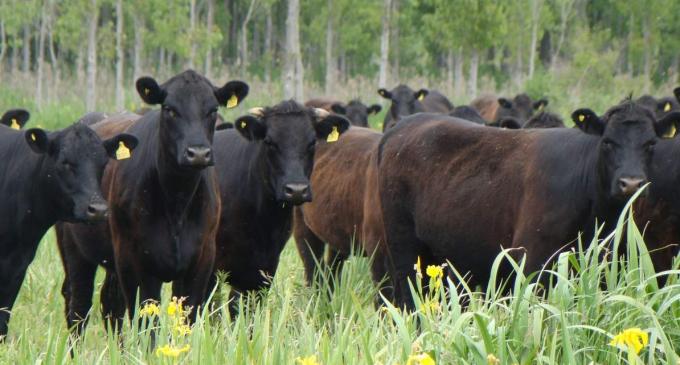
column 628, row 134
column 286, row 136
column 15, row 118
column 356, row 112
column 404, row 100
column 74, row 164
column 189, row 105
column 521, row 107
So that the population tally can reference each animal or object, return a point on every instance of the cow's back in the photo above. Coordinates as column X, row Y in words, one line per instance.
column 436, row 102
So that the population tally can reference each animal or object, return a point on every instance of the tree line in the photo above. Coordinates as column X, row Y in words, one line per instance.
column 324, row 44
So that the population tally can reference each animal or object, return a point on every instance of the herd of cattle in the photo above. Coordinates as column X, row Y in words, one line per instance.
column 171, row 195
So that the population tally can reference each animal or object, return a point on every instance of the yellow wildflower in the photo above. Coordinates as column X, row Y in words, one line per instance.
column 170, row 351
column 434, row 272
column 150, row 309
column 182, row 329
column 491, row 359
column 420, row 359
column 430, row 306
column 632, row 338
column 417, row 266
column 175, row 307
column 309, row 360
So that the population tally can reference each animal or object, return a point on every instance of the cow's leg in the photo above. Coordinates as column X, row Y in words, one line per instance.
column 310, row 247
column 112, row 301
column 12, row 272
column 336, row 260
column 80, row 279
column 194, row 287
column 404, row 249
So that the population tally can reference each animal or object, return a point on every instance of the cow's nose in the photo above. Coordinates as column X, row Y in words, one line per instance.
column 629, row 185
column 297, row 193
column 97, row 211
column 198, row 155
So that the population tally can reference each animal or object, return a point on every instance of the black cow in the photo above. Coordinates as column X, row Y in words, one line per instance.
column 521, row 108
column 405, row 102
column 164, row 203
column 660, row 106
column 264, row 166
column 477, row 198
column 46, row 177
column 468, row 113
column 540, row 120
column 15, row 118
column 356, row 111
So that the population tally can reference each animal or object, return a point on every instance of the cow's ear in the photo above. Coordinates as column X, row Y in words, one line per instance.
column 676, row 92
column 338, row 108
column 120, row 147
column 374, row 109
column 331, row 127
column 38, row 140
column 588, row 121
column 667, row 127
column 665, row 106
column 251, row 128
column 223, row 126
column 509, row 123
column 540, row 104
column 384, row 93
column 421, row 94
column 150, row 91
column 15, row 118
column 505, row 103
column 232, row 93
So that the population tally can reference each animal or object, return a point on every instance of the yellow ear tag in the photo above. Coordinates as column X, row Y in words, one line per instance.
column 243, row 124
column 122, row 153
column 15, row 124
column 667, row 107
column 333, row 135
column 421, row 97
column 33, row 137
column 146, row 91
column 232, row 102
column 581, row 118
column 671, row 132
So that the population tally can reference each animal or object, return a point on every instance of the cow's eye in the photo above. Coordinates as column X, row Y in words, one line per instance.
column 608, row 144
column 212, row 113
column 170, row 111
column 67, row 165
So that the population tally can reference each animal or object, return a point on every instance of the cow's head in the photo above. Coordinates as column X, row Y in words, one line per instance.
column 661, row 106
column 628, row 134
column 468, row 113
column 404, row 100
column 356, row 111
column 544, row 120
column 521, row 107
column 15, row 118
column 286, row 135
column 188, row 114
column 74, row 162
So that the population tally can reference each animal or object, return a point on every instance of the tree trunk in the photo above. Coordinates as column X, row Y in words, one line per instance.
column 449, row 72
column 385, row 44
column 535, row 19
column 41, row 58
column 243, row 44
column 269, row 52
column 209, row 28
column 91, row 96
column 330, row 64
column 474, row 67
column 646, row 34
column 120, row 56
column 139, row 46
column 3, row 39
column 50, row 46
column 161, row 61
column 458, row 74
column 80, row 67
column 292, row 77
column 565, row 13
column 396, row 56
column 192, row 34
column 26, row 46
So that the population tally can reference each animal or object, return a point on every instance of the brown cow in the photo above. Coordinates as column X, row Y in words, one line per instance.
column 345, row 208
column 452, row 190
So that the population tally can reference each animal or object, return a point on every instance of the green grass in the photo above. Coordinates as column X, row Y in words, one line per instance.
column 573, row 324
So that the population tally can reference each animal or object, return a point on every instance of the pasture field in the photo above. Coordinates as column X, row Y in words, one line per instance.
column 590, row 302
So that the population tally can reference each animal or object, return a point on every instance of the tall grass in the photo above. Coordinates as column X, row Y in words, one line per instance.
column 594, row 294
